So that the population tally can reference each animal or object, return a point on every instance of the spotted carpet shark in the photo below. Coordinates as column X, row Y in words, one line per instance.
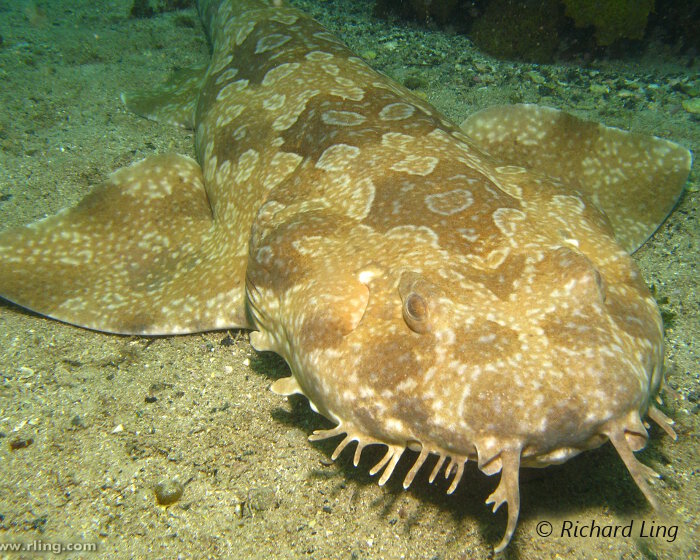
column 464, row 292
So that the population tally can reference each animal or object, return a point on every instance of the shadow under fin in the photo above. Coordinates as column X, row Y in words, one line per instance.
column 141, row 254
column 635, row 179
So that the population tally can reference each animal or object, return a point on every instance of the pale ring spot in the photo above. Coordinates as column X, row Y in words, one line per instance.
column 510, row 169
column 279, row 72
column 271, row 42
column 331, row 69
column 318, row 56
column 243, row 32
column 286, row 19
column 342, row 118
column 450, row 202
column 396, row 112
column 416, row 165
column 274, row 101
column 337, row 157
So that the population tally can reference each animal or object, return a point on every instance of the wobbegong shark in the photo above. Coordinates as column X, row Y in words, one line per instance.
column 464, row 292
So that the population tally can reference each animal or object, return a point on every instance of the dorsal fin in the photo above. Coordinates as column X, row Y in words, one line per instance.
column 139, row 255
column 634, row 178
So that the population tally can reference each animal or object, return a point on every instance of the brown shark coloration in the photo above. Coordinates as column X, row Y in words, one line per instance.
column 463, row 293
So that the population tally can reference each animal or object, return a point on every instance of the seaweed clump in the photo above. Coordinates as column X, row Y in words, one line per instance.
column 441, row 10
column 519, row 29
column 612, row 19
column 548, row 29
column 142, row 9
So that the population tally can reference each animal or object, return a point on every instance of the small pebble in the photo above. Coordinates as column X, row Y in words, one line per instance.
column 368, row 54
column 413, row 82
column 168, row 492
column 692, row 105
column 20, row 443
column 599, row 89
column 227, row 341
column 261, row 499
column 536, row 77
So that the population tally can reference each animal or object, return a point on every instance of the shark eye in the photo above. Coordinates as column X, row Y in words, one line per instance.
column 415, row 313
column 419, row 297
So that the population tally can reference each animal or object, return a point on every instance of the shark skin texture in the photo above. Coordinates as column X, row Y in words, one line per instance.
column 460, row 291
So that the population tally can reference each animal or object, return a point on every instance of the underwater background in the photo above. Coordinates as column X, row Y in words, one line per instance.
column 167, row 446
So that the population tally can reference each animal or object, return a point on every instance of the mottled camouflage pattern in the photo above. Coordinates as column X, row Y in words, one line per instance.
column 463, row 293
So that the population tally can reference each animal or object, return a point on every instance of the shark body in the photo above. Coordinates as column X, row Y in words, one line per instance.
column 465, row 292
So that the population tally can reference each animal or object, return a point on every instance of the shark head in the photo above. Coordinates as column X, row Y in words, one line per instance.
column 492, row 316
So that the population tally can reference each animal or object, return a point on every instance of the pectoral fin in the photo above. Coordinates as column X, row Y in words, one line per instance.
column 141, row 254
column 174, row 102
column 634, row 178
